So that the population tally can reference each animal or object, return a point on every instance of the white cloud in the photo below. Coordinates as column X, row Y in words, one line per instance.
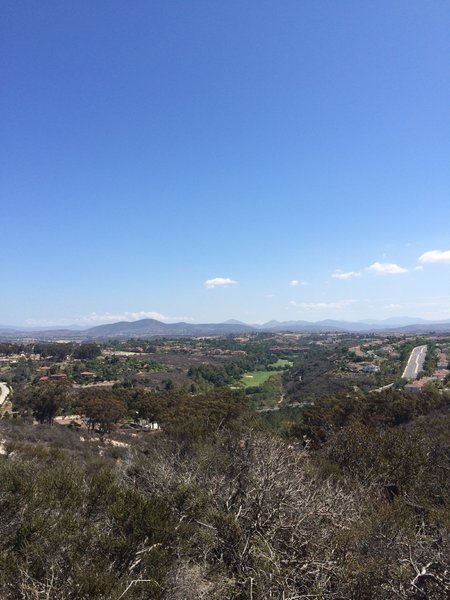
column 418, row 268
column 321, row 305
column 393, row 306
column 376, row 267
column 219, row 282
column 386, row 269
column 296, row 282
column 345, row 275
column 435, row 256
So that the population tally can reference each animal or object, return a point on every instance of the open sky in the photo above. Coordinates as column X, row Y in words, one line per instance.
column 208, row 160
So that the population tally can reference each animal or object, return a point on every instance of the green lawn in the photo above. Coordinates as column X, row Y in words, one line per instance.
column 255, row 378
column 282, row 362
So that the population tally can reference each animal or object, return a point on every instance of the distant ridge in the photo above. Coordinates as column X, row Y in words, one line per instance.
column 233, row 322
column 154, row 328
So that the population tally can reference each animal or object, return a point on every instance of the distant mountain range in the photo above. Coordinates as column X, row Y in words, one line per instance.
column 152, row 328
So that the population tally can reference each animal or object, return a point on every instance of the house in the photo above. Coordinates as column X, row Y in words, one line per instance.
column 418, row 386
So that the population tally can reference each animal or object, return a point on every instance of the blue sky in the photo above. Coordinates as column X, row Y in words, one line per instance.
column 148, row 148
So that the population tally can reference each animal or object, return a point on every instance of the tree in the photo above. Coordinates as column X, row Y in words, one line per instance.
column 45, row 400
column 87, row 351
column 57, row 351
column 102, row 407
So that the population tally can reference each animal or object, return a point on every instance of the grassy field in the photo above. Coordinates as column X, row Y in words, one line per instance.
column 255, row 378
column 282, row 362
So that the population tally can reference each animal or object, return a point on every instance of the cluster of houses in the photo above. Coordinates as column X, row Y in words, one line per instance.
column 59, row 376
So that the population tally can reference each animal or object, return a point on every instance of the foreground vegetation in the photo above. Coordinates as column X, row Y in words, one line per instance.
column 216, row 506
column 343, row 497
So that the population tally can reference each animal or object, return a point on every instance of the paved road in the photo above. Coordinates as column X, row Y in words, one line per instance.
column 415, row 362
column 4, row 393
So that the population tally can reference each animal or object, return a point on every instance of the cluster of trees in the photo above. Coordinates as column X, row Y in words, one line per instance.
column 313, row 374
column 87, row 351
column 56, row 350
column 431, row 360
column 24, row 370
column 384, row 409
column 102, row 408
column 8, row 348
column 182, row 414
column 43, row 401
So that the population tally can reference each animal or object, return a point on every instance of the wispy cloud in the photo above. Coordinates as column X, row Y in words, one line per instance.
column 386, row 269
column 296, row 282
column 435, row 256
column 393, row 306
column 321, row 305
column 345, row 275
column 377, row 267
column 219, row 282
